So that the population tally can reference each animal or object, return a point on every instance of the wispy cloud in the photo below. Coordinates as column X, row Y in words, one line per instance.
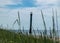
column 22, row 3
column 43, row 2
column 48, row 3
column 13, row 4
column 3, row 3
column 16, row 3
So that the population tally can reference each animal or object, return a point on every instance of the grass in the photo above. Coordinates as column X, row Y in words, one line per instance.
column 8, row 37
column 45, row 29
column 18, row 22
column 11, row 37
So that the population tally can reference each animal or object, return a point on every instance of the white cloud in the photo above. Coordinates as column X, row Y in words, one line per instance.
column 8, row 2
column 4, row 2
column 17, row 1
column 43, row 2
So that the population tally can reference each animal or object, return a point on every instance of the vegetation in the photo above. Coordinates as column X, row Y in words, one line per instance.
column 11, row 37
column 45, row 30
column 7, row 36
column 18, row 22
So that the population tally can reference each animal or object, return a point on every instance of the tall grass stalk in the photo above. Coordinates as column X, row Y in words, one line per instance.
column 23, row 30
column 45, row 31
column 53, row 24
column 57, row 26
column 38, row 31
column 18, row 22
column 56, row 21
column 50, row 33
column 34, row 32
column 41, row 34
column 15, row 22
column 54, row 31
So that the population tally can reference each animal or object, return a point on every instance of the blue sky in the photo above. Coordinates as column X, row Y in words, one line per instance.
column 9, row 9
column 11, row 4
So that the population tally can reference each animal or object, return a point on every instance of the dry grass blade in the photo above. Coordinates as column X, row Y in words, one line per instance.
column 53, row 23
column 56, row 21
column 18, row 18
column 50, row 33
column 54, row 31
column 45, row 31
column 19, row 23
column 15, row 22
column 57, row 26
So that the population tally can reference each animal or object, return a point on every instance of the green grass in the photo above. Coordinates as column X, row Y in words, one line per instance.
column 11, row 37
column 8, row 37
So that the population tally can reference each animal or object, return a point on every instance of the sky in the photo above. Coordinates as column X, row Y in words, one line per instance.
column 9, row 11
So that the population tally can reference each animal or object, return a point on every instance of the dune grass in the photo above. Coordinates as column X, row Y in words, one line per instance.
column 11, row 37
